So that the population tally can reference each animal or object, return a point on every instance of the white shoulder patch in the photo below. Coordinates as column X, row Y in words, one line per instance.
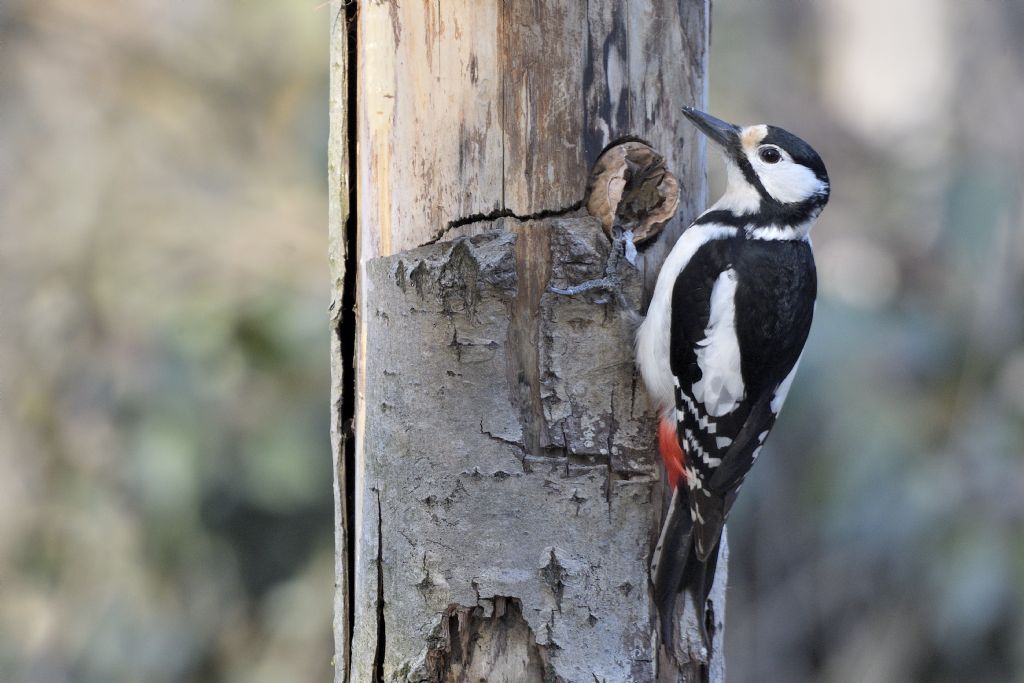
column 653, row 337
column 788, row 182
column 720, row 388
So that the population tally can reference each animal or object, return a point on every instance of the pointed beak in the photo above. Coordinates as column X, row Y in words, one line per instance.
column 726, row 135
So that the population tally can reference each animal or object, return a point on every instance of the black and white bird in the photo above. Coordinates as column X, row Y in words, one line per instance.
column 723, row 337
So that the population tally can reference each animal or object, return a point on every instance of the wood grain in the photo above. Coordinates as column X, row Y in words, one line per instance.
column 469, row 107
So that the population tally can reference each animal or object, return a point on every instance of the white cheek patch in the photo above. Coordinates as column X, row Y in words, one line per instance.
column 788, row 182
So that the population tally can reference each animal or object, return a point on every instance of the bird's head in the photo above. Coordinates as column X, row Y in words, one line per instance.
column 776, row 183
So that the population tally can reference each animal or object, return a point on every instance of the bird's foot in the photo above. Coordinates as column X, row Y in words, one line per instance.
column 607, row 283
column 622, row 249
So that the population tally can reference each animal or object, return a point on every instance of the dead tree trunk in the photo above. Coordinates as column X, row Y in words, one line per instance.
column 506, row 487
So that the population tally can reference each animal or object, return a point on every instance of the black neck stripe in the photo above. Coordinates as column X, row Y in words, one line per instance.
column 739, row 157
column 770, row 212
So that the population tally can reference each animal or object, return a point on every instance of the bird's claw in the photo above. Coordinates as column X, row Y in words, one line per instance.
column 605, row 282
column 629, row 248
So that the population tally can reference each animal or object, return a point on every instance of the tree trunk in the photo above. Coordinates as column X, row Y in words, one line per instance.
column 507, row 492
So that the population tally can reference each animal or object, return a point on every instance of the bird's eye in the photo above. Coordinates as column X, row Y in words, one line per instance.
column 770, row 155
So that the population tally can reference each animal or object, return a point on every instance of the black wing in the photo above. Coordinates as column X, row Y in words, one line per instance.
column 772, row 286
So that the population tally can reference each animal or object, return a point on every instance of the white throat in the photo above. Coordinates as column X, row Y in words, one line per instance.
column 740, row 198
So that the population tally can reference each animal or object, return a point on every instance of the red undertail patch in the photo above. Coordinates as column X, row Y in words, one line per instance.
column 671, row 452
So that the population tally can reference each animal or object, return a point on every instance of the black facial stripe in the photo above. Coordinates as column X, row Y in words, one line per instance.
column 770, row 212
column 740, row 158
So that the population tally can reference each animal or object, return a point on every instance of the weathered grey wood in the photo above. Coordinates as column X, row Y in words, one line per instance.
column 337, row 218
column 470, row 513
column 509, row 455
column 507, row 488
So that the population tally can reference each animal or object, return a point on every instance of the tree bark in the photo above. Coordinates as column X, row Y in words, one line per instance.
column 507, row 492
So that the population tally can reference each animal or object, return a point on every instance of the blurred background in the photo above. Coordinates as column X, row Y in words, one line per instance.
column 165, row 476
column 165, row 497
column 882, row 538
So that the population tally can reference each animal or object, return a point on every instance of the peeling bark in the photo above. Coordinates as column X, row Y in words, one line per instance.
column 490, row 641
column 483, row 480
column 511, row 458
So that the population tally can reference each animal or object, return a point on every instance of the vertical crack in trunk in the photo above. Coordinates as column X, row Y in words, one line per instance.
column 612, row 426
column 502, row 50
column 348, row 321
column 378, row 656
column 343, row 321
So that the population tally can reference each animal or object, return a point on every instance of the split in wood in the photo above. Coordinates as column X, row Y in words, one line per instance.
column 473, row 643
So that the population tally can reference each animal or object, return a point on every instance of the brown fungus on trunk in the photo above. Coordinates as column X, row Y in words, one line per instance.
column 631, row 188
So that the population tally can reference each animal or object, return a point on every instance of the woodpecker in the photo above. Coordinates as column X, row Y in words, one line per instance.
column 723, row 337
